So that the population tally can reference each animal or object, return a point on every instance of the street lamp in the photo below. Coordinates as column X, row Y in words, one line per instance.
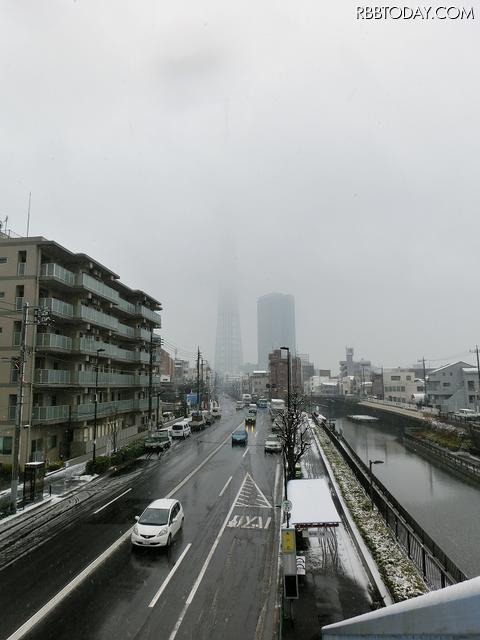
column 288, row 430
column 95, row 412
column 370, row 464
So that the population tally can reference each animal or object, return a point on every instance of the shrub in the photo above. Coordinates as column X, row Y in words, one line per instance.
column 55, row 465
column 5, row 469
column 102, row 464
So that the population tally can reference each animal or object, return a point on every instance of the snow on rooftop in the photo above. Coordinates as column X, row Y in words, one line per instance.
column 312, row 503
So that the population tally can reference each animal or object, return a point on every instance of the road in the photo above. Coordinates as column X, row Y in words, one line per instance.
column 218, row 581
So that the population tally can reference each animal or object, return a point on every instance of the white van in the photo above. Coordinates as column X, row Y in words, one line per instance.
column 181, row 429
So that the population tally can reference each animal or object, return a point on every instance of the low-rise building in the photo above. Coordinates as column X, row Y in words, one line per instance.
column 453, row 387
column 400, row 385
column 258, row 383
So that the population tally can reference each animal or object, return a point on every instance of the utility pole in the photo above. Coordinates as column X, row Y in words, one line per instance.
column 18, row 415
column 150, row 381
column 425, row 402
column 478, row 372
column 198, row 379
column 203, row 383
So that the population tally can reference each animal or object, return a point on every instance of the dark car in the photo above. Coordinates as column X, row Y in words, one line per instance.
column 240, row 436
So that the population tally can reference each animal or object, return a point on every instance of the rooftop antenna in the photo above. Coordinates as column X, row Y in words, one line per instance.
column 28, row 216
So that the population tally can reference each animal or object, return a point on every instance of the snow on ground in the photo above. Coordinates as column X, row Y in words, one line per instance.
column 399, row 573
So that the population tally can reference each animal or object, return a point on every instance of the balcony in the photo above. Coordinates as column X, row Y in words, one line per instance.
column 98, row 287
column 88, row 378
column 142, row 356
column 125, row 330
column 150, row 315
column 111, row 350
column 52, row 271
column 92, row 316
column 52, row 376
column 128, row 307
column 143, row 334
column 57, row 307
column 141, row 404
column 87, row 411
column 45, row 414
column 53, row 341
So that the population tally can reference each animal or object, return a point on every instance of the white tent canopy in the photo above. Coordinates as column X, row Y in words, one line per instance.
column 312, row 504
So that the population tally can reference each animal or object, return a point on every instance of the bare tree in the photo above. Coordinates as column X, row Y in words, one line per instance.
column 293, row 433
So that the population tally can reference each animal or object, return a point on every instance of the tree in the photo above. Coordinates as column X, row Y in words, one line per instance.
column 293, row 433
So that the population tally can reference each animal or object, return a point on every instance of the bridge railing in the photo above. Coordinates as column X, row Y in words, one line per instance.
column 437, row 569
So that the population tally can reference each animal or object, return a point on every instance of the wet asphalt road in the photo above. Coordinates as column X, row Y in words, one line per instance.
column 224, row 585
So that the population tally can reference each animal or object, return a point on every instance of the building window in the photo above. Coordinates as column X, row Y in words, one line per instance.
column 409, row 377
column 6, row 442
column 445, row 384
column 2, row 294
column 395, row 378
column 3, row 260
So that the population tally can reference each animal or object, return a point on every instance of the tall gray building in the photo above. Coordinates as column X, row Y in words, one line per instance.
column 275, row 325
column 228, row 346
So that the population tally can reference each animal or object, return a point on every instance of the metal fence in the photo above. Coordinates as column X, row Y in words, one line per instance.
column 437, row 569
column 459, row 464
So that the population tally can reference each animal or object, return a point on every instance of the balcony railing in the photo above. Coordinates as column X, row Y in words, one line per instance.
column 142, row 356
column 125, row 330
column 19, row 303
column 43, row 414
column 52, row 376
column 57, row 307
column 128, row 307
column 143, row 334
column 111, row 351
column 21, row 268
column 148, row 314
column 17, row 338
column 88, row 378
column 101, row 289
column 96, row 317
column 12, row 412
column 55, row 271
column 142, row 404
column 87, row 410
column 53, row 341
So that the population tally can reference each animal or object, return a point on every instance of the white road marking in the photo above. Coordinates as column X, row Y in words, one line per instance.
column 224, row 488
column 245, row 452
column 169, row 577
column 61, row 595
column 109, row 503
column 277, row 473
column 199, row 579
column 248, row 522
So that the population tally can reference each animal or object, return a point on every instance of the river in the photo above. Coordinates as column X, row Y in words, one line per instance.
column 447, row 508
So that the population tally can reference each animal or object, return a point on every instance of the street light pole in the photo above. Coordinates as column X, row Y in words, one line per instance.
column 370, row 464
column 285, row 461
column 94, row 452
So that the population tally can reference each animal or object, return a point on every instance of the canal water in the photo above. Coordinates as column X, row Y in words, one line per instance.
column 447, row 508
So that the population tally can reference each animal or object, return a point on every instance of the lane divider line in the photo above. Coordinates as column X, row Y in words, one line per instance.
column 245, row 452
column 169, row 577
column 61, row 595
column 224, row 488
column 68, row 588
column 203, row 570
column 109, row 503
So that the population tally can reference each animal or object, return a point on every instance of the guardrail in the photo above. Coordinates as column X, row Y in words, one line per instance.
column 437, row 569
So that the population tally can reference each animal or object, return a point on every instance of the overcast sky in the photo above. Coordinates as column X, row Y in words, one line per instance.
column 330, row 158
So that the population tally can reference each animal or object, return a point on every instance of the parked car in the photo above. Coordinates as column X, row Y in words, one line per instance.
column 181, row 429
column 158, row 441
column 167, row 416
column 197, row 422
column 273, row 444
column 239, row 405
column 262, row 403
column 158, row 524
column 216, row 413
column 208, row 417
column 240, row 436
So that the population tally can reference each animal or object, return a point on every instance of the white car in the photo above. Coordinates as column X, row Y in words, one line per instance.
column 273, row 444
column 181, row 429
column 158, row 524
column 216, row 412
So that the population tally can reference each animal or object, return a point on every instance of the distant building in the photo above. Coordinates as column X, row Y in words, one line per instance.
column 401, row 385
column 228, row 345
column 308, row 369
column 322, row 386
column 258, row 383
column 275, row 325
column 360, row 369
column 453, row 386
column 278, row 374
column 181, row 370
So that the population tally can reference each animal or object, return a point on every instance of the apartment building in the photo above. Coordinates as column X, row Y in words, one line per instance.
column 99, row 338
column 278, row 373
column 401, row 385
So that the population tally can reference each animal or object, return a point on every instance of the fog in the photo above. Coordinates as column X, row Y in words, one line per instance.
column 281, row 146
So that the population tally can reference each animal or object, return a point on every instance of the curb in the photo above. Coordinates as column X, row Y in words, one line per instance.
column 365, row 556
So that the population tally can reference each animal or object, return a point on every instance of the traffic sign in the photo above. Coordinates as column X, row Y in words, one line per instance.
column 287, row 506
column 288, row 541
